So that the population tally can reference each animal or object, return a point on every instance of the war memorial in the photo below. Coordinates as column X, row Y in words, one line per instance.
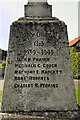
column 39, row 78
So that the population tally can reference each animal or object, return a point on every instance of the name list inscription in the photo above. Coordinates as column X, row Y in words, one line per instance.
column 36, row 65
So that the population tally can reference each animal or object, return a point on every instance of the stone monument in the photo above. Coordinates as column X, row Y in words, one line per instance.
column 39, row 79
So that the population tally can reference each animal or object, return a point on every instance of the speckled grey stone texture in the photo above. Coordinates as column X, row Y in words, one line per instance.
column 36, row 9
column 38, row 75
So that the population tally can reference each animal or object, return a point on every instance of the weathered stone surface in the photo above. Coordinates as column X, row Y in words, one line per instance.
column 38, row 78
column 39, row 74
column 38, row 9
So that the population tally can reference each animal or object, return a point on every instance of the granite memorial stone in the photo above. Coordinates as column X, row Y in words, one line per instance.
column 38, row 76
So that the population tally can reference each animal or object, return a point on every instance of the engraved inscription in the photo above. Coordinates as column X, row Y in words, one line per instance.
column 36, row 65
column 38, row 43
column 24, row 85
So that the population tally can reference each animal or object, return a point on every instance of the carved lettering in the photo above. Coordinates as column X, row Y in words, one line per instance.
column 51, row 71
column 39, row 85
column 18, row 85
column 49, row 65
column 38, row 43
column 47, row 52
column 25, row 65
column 38, row 78
column 32, row 66
column 41, row 59
column 20, row 78
column 49, row 85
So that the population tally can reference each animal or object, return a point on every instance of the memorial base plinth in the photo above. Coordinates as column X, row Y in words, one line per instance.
column 54, row 115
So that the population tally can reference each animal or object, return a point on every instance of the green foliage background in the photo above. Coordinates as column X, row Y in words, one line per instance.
column 75, row 60
column 78, row 95
column 0, row 95
column 3, row 65
column 0, row 54
column 3, row 53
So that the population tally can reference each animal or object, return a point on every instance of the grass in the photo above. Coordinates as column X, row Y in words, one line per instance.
column 0, row 95
column 77, row 95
